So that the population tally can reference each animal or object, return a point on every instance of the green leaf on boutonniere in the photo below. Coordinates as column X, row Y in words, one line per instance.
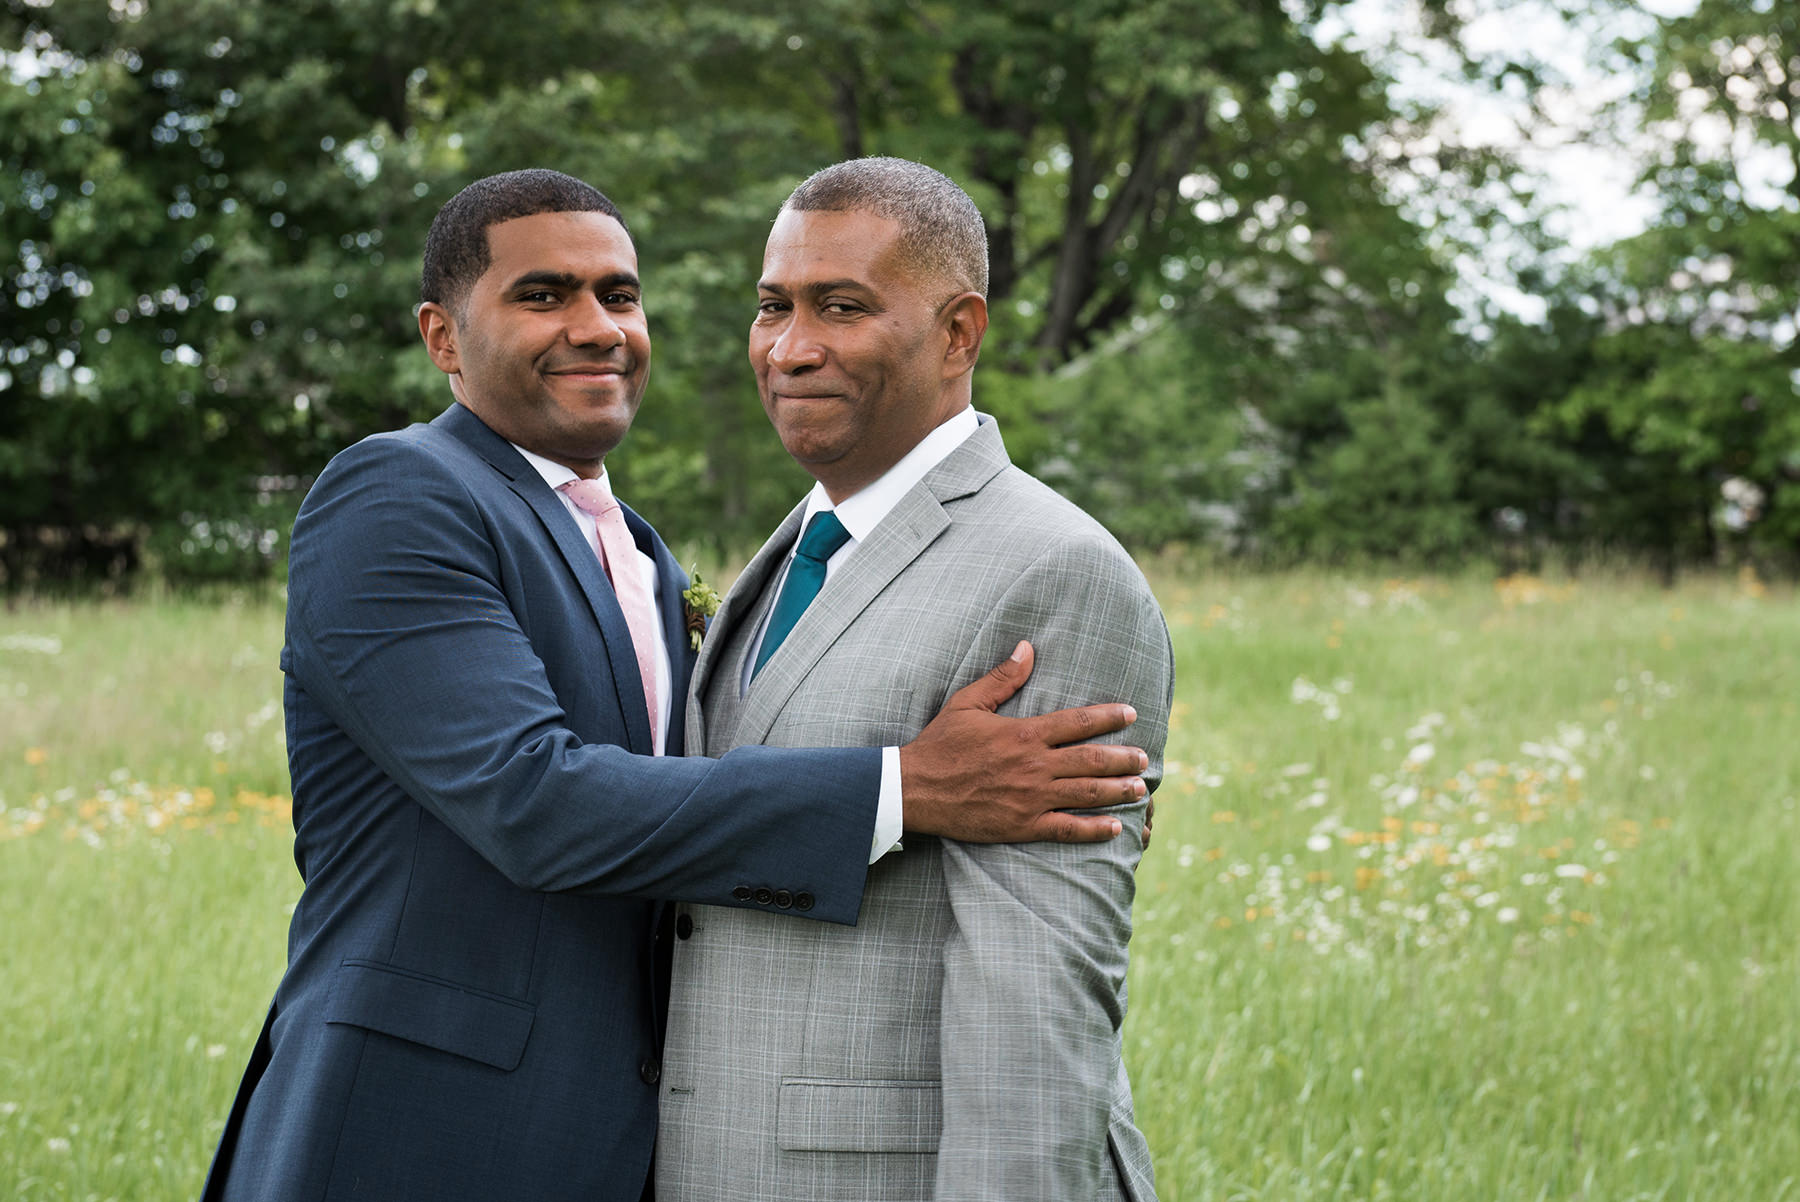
column 699, row 601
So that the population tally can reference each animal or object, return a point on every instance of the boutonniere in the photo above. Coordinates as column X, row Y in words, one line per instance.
column 699, row 601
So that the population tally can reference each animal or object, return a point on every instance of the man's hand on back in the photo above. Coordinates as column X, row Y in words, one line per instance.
column 982, row 778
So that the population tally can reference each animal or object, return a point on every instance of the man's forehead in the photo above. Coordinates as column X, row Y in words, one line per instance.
column 560, row 237
column 814, row 247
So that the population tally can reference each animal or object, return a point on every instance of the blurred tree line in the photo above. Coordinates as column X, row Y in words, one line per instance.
column 1223, row 289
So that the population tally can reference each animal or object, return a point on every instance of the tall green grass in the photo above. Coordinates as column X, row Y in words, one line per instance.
column 144, row 885
column 1457, row 892
column 1564, row 966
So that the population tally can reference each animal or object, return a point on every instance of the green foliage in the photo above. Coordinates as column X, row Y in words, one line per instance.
column 1144, row 436
column 1694, row 381
column 1388, row 490
column 218, row 212
column 1220, row 264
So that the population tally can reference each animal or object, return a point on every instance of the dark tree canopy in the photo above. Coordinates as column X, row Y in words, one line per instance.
column 1221, row 288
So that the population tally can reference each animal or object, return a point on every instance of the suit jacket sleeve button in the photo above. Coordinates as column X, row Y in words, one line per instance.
column 742, row 893
column 764, row 896
column 650, row 1071
column 784, row 899
column 803, row 901
column 684, row 926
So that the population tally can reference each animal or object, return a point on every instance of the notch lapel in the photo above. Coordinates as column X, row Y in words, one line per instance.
column 735, row 611
column 898, row 540
column 583, row 563
column 671, row 580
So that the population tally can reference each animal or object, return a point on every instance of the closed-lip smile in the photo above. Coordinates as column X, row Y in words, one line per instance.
column 585, row 370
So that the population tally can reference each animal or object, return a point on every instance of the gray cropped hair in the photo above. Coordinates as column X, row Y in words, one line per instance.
column 941, row 231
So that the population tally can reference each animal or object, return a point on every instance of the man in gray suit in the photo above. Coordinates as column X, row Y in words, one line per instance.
column 963, row 1039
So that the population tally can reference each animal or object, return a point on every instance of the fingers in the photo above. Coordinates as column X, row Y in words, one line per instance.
column 1073, row 725
column 1093, row 792
column 1075, row 828
column 993, row 690
column 1095, row 759
column 1149, row 814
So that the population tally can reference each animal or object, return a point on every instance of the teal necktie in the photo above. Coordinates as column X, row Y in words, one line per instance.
column 806, row 576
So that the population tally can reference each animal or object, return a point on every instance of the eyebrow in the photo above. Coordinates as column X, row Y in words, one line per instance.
column 818, row 286
column 570, row 282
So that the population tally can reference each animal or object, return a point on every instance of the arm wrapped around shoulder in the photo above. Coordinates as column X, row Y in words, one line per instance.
column 407, row 627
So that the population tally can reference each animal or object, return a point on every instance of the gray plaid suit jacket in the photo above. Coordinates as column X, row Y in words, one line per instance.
column 962, row 1041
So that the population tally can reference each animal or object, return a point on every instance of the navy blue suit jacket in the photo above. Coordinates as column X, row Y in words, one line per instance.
column 468, row 1010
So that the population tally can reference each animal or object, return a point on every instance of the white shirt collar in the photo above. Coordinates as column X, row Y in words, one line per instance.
column 556, row 474
column 862, row 511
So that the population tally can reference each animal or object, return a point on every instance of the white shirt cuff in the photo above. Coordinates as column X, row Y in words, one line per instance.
column 889, row 818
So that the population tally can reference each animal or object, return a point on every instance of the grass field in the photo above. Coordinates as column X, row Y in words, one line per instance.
column 1459, row 891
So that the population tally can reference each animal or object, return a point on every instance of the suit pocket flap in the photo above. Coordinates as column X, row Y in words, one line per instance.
column 439, row 1014
column 822, row 1115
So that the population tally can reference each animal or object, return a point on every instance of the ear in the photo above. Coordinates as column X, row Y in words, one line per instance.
column 437, row 326
column 965, row 321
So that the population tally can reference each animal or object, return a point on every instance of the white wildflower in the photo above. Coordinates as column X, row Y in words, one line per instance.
column 32, row 643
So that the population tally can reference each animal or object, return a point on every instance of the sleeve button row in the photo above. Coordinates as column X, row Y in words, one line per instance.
column 782, row 899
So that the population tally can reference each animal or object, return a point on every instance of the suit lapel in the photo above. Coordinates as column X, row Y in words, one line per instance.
column 897, row 540
column 580, row 558
column 731, row 626
column 671, row 580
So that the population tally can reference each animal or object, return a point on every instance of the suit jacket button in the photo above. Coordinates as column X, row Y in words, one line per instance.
column 803, row 901
column 764, row 896
column 742, row 893
column 784, row 899
column 684, row 926
column 650, row 1071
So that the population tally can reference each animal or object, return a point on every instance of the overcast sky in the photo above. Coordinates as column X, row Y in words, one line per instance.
column 1590, row 176
column 1594, row 180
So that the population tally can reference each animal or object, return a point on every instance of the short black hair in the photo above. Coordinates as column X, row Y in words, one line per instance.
column 941, row 230
column 456, row 249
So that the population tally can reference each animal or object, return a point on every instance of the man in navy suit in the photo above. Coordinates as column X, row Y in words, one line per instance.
column 483, row 820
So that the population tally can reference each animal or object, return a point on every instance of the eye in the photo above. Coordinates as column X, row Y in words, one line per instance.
column 539, row 296
column 619, row 300
column 768, row 306
column 841, row 308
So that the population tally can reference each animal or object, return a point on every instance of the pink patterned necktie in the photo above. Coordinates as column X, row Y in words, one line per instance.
column 618, row 555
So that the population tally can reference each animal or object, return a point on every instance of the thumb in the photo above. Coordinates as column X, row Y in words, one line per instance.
column 993, row 690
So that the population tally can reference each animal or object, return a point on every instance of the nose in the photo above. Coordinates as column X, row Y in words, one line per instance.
column 591, row 324
column 795, row 348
